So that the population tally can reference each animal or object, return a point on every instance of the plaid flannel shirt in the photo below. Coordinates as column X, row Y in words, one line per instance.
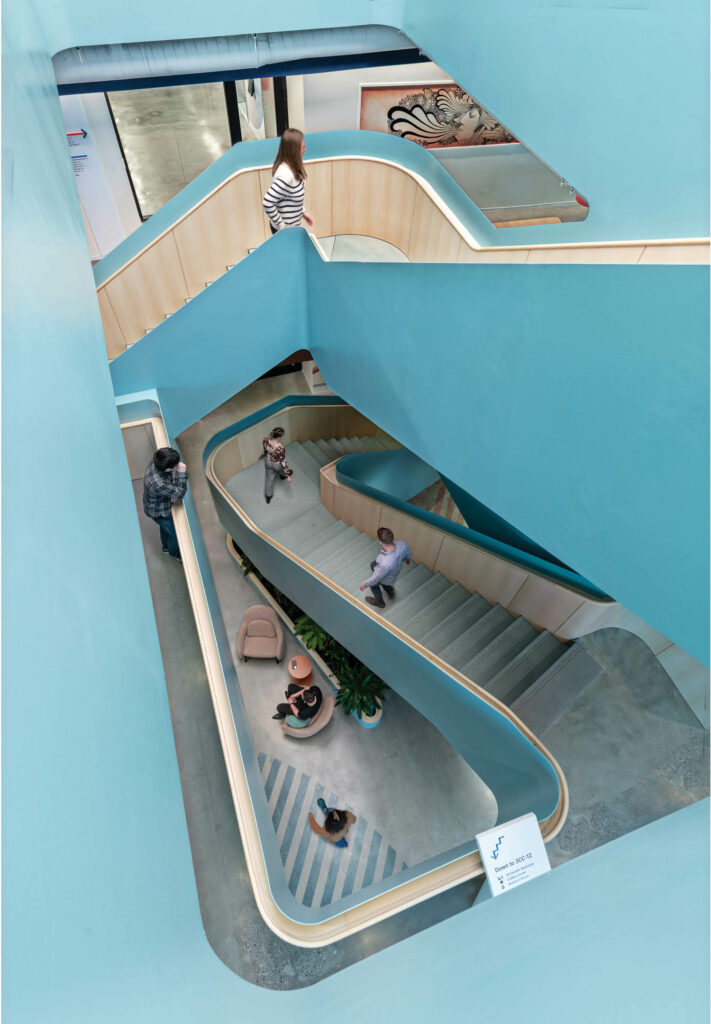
column 161, row 490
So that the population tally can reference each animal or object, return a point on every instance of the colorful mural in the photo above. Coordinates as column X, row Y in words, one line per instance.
column 434, row 116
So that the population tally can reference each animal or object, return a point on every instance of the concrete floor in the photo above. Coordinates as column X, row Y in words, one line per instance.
column 169, row 136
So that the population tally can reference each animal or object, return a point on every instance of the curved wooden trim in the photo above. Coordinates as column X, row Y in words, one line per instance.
column 365, row 914
column 552, row 825
column 433, row 195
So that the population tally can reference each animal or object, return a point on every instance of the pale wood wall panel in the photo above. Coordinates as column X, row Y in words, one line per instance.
column 115, row 341
column 675, row 254
column 599, row 254
column 477, row 570
column 373, row 199
column 227, row 460
column 219, row 232
column 544, row 604
column 425, row 543
column 433, row 238
column 317, row 197
column 144, row 291
column 359, row 511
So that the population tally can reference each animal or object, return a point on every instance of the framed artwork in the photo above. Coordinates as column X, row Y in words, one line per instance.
column 435, row 115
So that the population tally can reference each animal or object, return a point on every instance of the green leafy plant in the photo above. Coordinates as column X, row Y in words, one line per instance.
column 361, row 692
column 315, row 637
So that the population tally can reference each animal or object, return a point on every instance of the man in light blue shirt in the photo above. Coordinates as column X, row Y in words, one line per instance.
column 386, row 567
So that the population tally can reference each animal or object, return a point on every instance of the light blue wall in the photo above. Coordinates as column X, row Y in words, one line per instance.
column 101, row 922
column 615, row 98
column 581, row 389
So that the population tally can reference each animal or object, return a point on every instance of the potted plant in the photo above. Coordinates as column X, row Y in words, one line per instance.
column 360, row 693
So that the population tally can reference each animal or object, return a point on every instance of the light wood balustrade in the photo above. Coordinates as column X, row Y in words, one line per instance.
column 347, row 196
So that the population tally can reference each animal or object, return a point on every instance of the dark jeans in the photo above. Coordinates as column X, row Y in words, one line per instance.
column 377, row 592
column 273, row 229
column 168, row 536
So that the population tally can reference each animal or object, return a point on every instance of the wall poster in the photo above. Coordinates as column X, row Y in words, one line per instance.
column 434, row 115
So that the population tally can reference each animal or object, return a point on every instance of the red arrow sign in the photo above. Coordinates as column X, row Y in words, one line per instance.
column 82, row 133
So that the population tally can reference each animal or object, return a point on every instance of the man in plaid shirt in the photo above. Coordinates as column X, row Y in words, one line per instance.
column 165, row 481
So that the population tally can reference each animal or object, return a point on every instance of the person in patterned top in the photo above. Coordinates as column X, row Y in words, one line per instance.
column 274, row 461
column 165, row 481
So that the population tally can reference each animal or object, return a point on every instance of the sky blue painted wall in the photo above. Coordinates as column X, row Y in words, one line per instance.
column 615, row 98
column 101, row 923
column 585, row 401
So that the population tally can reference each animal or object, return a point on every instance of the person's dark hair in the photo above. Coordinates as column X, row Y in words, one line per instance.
column 385, row 535
column 310, row 696
column 276, row 433
column 335, row 821
column 290, row 153
column 165, row 459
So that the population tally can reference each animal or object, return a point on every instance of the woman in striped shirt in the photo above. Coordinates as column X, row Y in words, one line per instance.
column 284, row 200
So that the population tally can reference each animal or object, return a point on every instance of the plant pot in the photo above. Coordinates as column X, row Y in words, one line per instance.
column 369, row 721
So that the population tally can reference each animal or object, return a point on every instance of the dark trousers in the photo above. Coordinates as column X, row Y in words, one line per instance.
column 286, row 709
column 168, row 536
column 376, row 591
column 273, row 229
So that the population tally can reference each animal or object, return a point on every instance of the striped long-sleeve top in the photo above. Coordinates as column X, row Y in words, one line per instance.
column 284, row 199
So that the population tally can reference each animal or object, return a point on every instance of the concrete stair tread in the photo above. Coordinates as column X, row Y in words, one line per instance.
column 315, row 452
column 369, row 443
column 500, row 651
column 530, row 663
column 349, row 444
column 401, row 610
column 323, row 553
column 355, row 563
column 337, row 446
column 318, row 542
column 298, row 458
column 311, row 523
column 447, row 602
column 380, row 443
column 457, row 623
column 342, row 556
column 357, row 443
column 475, row 639
column 557, row 689
column 327, row 450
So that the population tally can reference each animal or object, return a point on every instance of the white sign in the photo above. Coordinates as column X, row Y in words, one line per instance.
column 513, row 853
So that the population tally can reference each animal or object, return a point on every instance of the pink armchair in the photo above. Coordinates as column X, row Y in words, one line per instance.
column 260, row 635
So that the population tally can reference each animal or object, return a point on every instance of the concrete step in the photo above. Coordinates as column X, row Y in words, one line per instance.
column 455, row 624
column 440, row 609
column 337, row 446
column 303, row 528
column 410, row 577
column 347, row 443
column 356, row 564
column 500, row 651
column 321, row 552
column 327, row 450
column 370, row 444
column 357, row 443
column 315, row 452
column 333, row 565
column 475, row 639
column 299, row 459
column 404, row 609
column 543, row 703
column 318, row 543
column 526, row 667
column 381, row 443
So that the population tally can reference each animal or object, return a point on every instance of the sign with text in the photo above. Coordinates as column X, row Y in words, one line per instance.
column 513, row 853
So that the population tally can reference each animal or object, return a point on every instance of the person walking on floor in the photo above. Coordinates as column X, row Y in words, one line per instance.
column 274, row 462
column 283, row 201
column 336, row 825
column 165, row 482
column 386, row 567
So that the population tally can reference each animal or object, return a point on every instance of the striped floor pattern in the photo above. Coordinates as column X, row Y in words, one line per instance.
column 319, row 873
